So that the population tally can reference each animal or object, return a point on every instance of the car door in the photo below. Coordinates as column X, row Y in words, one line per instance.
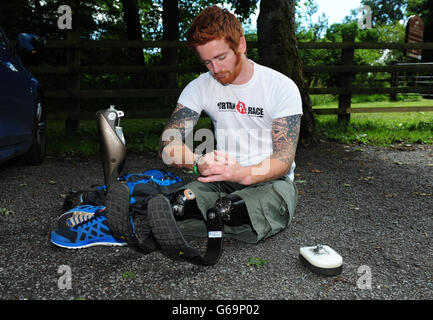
column 15, row 99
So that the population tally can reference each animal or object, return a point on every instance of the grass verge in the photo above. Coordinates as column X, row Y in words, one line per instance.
column 380, row 129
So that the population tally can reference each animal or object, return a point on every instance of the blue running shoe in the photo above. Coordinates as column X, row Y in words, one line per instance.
column 78, row 215
column 92, row 232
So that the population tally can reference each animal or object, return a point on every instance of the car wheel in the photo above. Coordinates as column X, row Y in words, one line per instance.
column 36, row 153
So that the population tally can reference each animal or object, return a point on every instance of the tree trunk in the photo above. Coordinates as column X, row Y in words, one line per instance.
column 427, row 55
column 278, row 50
column 170, row 32
column 133, row 29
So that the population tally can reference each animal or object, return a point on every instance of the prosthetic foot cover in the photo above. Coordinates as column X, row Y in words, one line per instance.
column 119, row 219
column 171, row 240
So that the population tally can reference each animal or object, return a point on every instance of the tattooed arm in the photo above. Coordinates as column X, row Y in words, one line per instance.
column 171, row 144
column 285, row 135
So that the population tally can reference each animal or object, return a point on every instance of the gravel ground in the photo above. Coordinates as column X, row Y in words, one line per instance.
column 372, row 205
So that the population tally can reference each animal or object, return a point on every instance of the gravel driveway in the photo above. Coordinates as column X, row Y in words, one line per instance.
column 372, row 205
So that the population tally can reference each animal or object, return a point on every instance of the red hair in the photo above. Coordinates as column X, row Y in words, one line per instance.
column 214, row 23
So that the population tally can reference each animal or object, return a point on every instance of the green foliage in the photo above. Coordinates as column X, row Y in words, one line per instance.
column 5, row 212
column 305, row 27
column 256, row 262
column 389, row 18
column 128, row 275
column 334, row 33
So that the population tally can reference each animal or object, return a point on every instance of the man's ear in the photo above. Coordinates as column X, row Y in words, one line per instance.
column 242, row 48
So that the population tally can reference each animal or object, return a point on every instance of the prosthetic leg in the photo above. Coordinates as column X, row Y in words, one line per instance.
column 113, row 146
column 113, row 152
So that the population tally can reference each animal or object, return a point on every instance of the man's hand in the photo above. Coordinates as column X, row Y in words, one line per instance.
column 221, row 166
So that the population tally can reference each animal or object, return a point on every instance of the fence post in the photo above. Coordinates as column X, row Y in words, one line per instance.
column 345, row 79
column 73, row 57
column 393, row 82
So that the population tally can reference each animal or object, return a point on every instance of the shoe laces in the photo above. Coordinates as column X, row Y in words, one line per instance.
column 96, row 216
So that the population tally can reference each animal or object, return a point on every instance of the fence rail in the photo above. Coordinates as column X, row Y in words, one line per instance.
column 189, row 69
column 73, row 70
column 374, row 110
column 151, row 93
column 76, row 43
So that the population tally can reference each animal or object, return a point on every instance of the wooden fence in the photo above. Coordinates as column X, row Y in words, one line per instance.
column 73, row 71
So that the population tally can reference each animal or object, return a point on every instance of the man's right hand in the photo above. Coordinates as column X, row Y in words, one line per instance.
column 210, row 162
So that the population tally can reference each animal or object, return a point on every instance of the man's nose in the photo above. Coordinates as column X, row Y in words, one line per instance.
column 216, row 67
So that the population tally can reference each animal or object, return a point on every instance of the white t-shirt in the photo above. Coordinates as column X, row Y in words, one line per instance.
column 242, row 114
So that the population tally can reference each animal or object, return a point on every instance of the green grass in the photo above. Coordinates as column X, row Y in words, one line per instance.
column 380, row 129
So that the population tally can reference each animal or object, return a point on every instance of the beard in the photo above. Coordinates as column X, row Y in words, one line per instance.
column 226, row 77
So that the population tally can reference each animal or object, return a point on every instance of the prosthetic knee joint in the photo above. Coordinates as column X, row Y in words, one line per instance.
column 184, row 205
column 231, row 208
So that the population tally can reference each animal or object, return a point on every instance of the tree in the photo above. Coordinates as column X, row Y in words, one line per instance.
column 278, row 50
column 170, row 22
column 133, row 28
column 306, row 28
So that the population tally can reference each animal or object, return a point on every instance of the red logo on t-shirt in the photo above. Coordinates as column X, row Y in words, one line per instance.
column 241, row 107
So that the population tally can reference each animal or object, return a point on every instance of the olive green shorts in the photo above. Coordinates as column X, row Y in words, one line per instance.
column 271, row 206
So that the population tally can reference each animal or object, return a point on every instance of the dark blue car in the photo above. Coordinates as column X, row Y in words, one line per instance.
column 22, row 112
